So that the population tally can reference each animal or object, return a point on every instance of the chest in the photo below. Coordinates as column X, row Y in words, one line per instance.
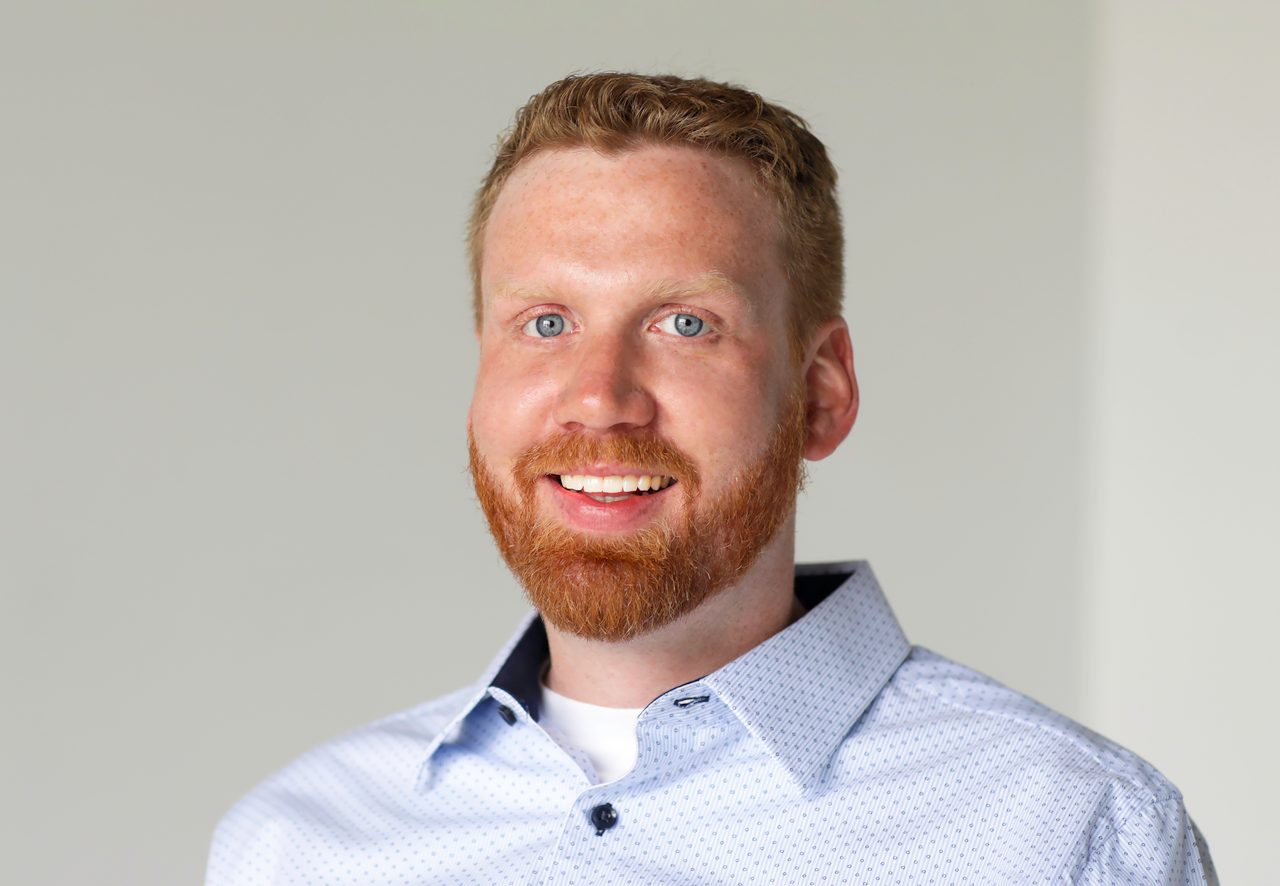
column 712, row 806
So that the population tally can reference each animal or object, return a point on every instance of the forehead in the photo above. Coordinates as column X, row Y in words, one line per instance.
column 651, row 213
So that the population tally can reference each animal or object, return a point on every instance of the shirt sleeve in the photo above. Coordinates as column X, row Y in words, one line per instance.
column 1158, row 845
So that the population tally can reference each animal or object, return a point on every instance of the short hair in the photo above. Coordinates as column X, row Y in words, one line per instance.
column 611, row 112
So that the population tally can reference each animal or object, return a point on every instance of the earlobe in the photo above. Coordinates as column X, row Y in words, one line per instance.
column 831, row 390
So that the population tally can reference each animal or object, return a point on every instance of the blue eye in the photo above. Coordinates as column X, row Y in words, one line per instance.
column 545, row 326
column 686, row 325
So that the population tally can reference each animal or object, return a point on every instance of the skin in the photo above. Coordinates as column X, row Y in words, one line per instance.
column 618, row 245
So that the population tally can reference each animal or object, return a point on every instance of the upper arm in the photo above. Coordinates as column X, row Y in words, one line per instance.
column 1158, row 844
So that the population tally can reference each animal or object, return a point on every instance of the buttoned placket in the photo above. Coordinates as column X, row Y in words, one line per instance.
column 596, row 821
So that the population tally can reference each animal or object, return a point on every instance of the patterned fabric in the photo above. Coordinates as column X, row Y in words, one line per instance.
column 833, row 752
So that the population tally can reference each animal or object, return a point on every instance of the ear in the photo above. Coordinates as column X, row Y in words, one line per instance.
column 831, row 389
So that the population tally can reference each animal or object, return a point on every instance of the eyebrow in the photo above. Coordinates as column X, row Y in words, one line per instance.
column 710, row 283
column 509, row 292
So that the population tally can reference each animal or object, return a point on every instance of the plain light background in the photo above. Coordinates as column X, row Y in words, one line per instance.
column 235, row 363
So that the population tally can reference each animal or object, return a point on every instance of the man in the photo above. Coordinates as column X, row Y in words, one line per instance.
column 657, row 275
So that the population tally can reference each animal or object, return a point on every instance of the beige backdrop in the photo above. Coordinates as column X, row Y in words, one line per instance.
column 235, row 363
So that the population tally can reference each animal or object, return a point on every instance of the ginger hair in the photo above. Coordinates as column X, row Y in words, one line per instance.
column 611, row 112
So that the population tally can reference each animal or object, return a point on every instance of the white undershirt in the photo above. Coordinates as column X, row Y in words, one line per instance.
column 606, row 735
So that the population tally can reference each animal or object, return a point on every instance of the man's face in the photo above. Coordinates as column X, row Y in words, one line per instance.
column 635, row 326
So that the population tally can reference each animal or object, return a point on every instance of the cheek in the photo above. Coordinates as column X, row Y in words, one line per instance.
column 509, row 407
column 722, row 418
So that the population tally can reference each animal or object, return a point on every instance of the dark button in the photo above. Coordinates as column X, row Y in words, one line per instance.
column 603, row 817
column 691, row 700
column 507, row 714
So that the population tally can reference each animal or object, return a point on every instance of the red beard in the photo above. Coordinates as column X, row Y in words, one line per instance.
column 605, row 588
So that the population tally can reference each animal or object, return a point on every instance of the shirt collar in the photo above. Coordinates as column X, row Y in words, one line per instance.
column 799, row 692
column 802, row 690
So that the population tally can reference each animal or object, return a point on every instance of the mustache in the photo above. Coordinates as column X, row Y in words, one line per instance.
column 648, row 452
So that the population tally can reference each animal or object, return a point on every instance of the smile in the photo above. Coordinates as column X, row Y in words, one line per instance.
column 614, row 487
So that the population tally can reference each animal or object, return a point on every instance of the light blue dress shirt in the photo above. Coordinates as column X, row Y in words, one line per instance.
column 834, row 752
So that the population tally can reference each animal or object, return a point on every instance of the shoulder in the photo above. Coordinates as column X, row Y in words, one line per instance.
column 976, row 703
column 330, row 788
column 1107, row 805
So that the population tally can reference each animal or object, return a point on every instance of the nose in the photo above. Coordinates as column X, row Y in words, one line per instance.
column 603, row 391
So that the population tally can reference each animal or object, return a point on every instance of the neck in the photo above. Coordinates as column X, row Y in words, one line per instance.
column 632, row 673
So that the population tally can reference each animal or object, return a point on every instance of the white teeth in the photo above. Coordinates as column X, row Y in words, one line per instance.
column 615, row 483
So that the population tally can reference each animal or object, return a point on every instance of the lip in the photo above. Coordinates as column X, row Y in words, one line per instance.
column 584, row 514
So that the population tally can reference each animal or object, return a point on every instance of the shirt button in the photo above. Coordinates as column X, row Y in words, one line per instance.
column 507, row 714
column 604, row 817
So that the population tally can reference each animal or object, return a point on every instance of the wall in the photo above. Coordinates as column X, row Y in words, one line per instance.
column 1186, row 481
